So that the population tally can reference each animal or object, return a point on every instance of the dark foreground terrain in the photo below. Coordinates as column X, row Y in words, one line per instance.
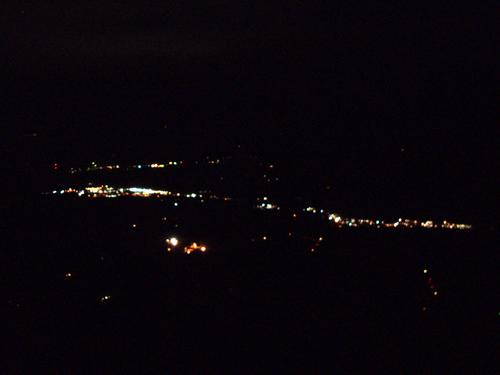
column 84, row 291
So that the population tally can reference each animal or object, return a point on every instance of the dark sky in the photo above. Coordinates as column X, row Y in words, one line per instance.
column 349, row 84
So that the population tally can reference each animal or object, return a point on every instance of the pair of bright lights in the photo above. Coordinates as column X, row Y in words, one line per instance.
column 173, row 241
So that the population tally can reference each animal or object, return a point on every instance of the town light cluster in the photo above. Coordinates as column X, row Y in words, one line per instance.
column 341, row 221
column 158, row 165
column 106, row 191
column 173, row 243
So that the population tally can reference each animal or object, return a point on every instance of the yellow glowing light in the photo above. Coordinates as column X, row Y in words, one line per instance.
column 68, row 274
column 426, row 270
column 194, row 247
column 435, row 293
column 264, row 238
column 173, row 241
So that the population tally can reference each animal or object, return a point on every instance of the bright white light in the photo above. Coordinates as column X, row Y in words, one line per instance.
column 142, row 190
column 173, row 241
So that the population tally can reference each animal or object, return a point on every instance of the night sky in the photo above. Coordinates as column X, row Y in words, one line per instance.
column 392, row 103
